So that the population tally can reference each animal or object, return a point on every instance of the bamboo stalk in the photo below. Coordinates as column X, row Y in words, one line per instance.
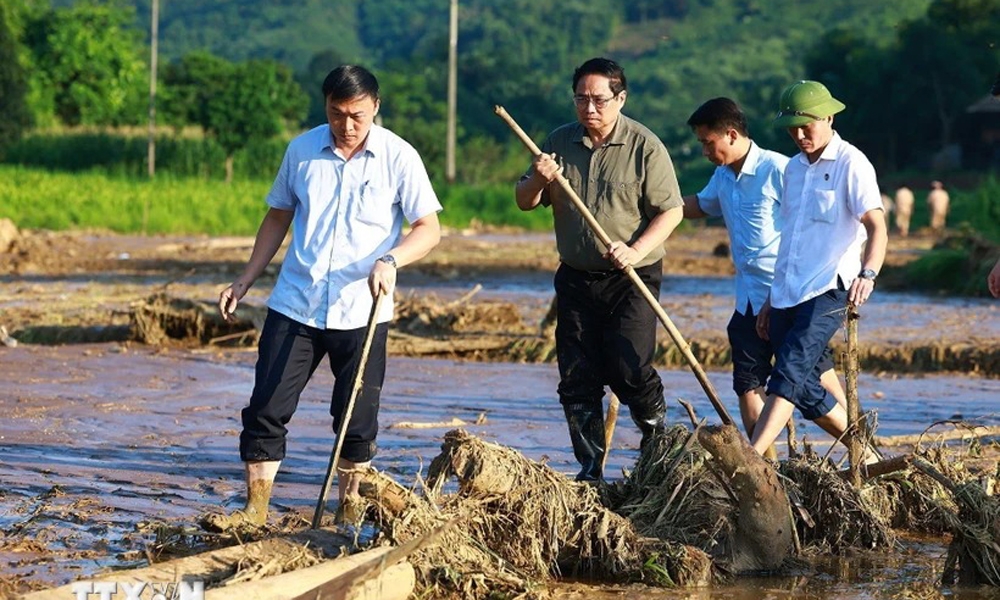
column 855, row 451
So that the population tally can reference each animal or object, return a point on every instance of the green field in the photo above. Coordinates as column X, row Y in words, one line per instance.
column 39, row 199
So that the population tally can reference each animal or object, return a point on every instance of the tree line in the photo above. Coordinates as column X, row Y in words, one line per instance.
column 906, row 69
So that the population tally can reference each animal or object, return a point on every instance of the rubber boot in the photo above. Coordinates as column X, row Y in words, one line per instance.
column 586, row 431
column 253, row 515
column 650, row 419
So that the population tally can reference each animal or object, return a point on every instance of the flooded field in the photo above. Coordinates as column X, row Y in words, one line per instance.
column 99, row 439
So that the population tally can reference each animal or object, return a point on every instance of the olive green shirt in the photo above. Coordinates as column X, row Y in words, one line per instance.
column 625, row 183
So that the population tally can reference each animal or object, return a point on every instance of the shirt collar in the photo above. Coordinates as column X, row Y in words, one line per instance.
column 831, row 151
column 375, row 137
column 617, row 136
column 752, row 160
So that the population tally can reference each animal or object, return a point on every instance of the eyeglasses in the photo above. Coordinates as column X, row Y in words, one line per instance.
column 582, row 101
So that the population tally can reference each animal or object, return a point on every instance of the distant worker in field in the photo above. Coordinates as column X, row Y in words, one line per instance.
column 606, row 330
column 993, row 279
column 344, row 188
column 745, row 190
column 937, row 203
column 829, row 207
column 904, row 210
column 888, row 206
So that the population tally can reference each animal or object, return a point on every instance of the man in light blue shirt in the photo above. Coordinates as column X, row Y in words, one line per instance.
column 344, row 189
column 745, row 190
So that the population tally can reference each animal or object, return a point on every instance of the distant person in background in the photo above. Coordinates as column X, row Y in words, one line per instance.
column 937, row 203
column 605, row 329
column 904, row 210
column 888, row 207
column 830, row 206
column 745, row 190
column 993, row 280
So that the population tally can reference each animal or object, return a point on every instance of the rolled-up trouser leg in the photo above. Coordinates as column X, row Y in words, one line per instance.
column 586, row 431
column 345, row 348
column 288, row 353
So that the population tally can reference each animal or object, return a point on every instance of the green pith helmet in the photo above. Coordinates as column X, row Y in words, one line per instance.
column 804, row 102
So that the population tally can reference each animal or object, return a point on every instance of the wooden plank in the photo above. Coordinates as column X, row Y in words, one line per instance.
column 393, row 582
column 211, row 565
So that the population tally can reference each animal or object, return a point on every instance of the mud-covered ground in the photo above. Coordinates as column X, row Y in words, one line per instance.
column 102, row 435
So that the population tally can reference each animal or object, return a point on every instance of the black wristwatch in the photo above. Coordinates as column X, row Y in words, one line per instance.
column 389, row 260
column 868, row 274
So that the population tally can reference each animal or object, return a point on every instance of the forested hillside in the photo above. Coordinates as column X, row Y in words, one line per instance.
column 907, row 69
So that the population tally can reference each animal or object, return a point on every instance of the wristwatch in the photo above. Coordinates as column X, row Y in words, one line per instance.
column 389, row 260
column 868, row 274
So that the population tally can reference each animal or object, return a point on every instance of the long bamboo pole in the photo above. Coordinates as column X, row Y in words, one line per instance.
column 675, row 335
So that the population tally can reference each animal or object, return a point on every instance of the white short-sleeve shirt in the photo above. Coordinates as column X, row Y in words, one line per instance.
column 348, row 213
column 822, row 233
column 748, row 203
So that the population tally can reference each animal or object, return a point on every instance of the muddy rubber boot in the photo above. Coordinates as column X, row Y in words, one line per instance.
column 586, row 431
column 650, row 420
column 351, row 511
column 253, row 515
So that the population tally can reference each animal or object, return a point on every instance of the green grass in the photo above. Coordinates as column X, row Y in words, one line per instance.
column 40, row 199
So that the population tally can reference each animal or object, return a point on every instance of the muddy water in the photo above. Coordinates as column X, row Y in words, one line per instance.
column 96, row 438
column 702, row 305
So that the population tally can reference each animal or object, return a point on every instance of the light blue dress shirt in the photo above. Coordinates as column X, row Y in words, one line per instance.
column 348, row 213
column 748, row 203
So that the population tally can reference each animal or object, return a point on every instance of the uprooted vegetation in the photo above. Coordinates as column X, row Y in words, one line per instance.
column 698, row 507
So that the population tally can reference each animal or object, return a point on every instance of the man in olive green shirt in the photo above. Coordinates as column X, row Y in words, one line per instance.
column 606, row 330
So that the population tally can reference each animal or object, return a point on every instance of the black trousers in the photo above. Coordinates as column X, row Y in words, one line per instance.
column 288, row 354
column 606, row 335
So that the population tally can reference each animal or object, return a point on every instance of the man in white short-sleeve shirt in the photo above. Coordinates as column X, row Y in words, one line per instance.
column 745, row 190
column 344, row 188
column 830, row 207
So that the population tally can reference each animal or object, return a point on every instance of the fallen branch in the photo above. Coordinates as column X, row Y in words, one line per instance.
column 968, row 432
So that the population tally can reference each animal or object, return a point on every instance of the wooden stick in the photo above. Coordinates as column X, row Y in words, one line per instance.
column 609, row 427
column 973, row 431
column 348, row 410
column 855, row 452
column 675, row 335
column 793, row 442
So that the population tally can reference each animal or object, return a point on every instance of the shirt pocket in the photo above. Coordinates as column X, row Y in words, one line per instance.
column 375, row 207
column 619, row 198
column 824, row 206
